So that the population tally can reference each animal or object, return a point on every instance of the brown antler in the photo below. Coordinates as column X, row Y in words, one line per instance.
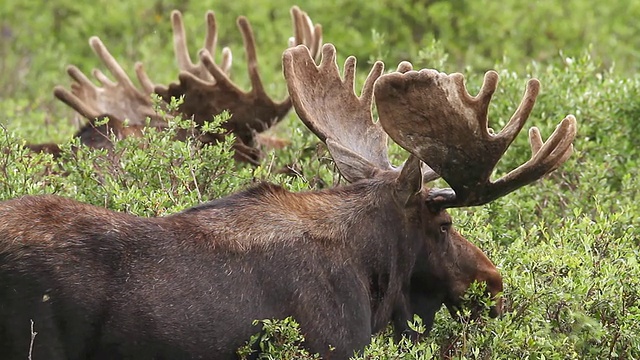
column 332, row 110
column 305, row 33
column 432, row 115
column 206, row 95
column 120, row 100
column 211, row 39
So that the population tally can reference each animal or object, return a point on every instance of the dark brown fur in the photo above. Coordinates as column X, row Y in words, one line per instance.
column 100, row 284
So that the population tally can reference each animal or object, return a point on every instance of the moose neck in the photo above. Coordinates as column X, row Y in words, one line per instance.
column 360, row 224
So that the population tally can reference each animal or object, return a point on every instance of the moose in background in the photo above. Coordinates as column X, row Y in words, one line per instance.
column 127, row 106
column 344, row 262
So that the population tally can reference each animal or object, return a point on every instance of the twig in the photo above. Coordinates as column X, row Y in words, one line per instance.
column 33, row 337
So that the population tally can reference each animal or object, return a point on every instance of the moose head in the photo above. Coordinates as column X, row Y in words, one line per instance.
column 445, row 130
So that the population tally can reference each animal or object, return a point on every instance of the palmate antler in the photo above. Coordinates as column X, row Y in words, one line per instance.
column 357, row 144
column 340, row 118
column 126, row 106
column 205, row 85
column 208, row 90
column 432, row 115
column 428, row 113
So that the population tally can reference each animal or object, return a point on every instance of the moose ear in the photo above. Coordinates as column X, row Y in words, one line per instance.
column 409, row 181
column 351, row 165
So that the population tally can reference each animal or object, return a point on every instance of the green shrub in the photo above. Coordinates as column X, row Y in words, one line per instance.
column 278, row 339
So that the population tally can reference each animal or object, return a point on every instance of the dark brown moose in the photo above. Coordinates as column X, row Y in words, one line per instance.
column 206, row 87
column 344, row 262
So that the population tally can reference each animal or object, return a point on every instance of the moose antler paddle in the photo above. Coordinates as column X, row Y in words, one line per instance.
column 432, row 115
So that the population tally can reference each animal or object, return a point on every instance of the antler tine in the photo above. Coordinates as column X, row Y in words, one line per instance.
column 432, row 115
column 73, row 101
column 180, row 41
column 102, row 78
column 120, row 99
column 143, row 78
column 253, row 111
column 544, row 159
column 331, row 109
column 220, row 77
column 211, row 39
column 118, row 72
column 299, row 32
column 305, row 33
column 535, row 140
column 227, row 59
column 404, row 66
column 252, row 56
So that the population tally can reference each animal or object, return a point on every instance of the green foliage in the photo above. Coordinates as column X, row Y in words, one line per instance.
column 566, row 246
column 278, row 339
column 384, row 347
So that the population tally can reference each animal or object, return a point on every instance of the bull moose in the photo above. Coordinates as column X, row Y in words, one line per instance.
column 344, row 262
column 127, row 106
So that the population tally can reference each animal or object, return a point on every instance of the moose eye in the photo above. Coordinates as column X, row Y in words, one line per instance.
column 444, row 228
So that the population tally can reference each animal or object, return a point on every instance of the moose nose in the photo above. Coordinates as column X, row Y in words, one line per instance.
column 497, row 309
column 495, row 287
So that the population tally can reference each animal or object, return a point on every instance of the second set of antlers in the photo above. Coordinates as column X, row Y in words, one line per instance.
column 205, row 86
column 428, row 113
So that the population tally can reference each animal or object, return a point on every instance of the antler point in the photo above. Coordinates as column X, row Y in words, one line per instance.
column 95, row 41
column 328, row 47
column 58, row 91
column 176, row 17
column 533, row 83
column 328, row 51
column 573, row 123
column 204, row 54
column 242, row 20
column 571, row 117
column 404, row 66
column 492, row 73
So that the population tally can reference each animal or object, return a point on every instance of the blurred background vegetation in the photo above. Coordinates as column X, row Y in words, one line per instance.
column 567, row 246
column 38, row 39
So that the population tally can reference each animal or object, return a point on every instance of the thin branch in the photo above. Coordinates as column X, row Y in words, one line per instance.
column 33, row 337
